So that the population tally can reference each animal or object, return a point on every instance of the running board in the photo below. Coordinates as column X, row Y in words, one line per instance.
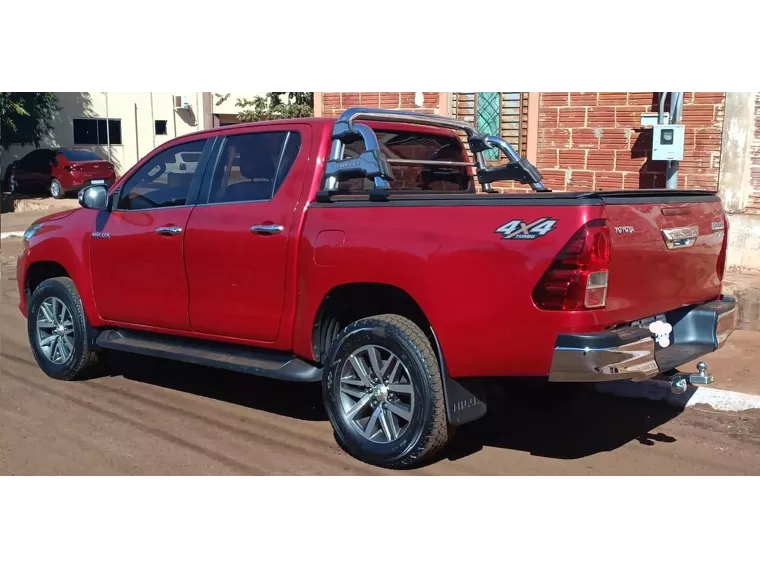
column 271, row 364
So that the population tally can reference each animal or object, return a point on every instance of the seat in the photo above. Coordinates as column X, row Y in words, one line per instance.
column 259, row 168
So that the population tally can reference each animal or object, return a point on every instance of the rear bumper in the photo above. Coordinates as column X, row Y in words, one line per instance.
column 632, row 353
column 78, row 185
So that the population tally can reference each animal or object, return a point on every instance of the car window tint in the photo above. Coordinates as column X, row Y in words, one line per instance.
column 80, row 155
column 164, row 181
column 252, row 167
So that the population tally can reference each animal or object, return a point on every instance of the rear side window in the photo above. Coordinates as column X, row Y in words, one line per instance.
column 413, row 177
column 252, row 167
column 80, row 155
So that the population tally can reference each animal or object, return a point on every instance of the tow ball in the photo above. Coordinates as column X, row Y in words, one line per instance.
column 681, row 381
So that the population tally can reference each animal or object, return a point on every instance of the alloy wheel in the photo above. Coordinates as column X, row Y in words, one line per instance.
column 55, row 330
column 376, row 394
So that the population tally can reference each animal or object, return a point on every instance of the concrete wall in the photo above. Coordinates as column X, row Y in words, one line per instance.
column 743, row 243
column 738, row 180
column 735, row 161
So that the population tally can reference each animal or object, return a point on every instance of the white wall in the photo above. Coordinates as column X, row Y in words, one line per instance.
column 137, row 112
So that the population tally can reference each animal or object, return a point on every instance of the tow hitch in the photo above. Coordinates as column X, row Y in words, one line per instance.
column 681, row 381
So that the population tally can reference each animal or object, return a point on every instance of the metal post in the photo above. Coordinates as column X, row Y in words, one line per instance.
column 108, row 128
column 137, row 137
column 153, row 122
column 671, row 173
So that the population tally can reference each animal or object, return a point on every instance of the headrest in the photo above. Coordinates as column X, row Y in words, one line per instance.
column 258, row 161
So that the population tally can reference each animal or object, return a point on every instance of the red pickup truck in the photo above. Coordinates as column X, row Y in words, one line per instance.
column 357, row 252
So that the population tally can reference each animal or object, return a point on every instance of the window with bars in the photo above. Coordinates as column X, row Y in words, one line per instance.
column 498, row 114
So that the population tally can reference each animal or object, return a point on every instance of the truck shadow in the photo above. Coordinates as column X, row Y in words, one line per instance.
column 562, row 422
column 529, row 416
column 301, row 401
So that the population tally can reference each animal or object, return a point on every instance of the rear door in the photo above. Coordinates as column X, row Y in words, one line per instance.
column 236, row 246
column 666, row 251
column 136, row 250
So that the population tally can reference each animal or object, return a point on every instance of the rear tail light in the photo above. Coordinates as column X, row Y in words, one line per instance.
column 579, row 275
column 721, row 267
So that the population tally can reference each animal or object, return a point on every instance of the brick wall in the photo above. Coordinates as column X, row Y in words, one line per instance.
column 754, row 198
column 594, row 141
column 335, row 103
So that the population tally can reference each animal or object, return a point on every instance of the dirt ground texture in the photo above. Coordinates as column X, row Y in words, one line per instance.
column 161, row 418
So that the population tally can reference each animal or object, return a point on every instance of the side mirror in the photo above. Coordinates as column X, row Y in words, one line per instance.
column 94, row 197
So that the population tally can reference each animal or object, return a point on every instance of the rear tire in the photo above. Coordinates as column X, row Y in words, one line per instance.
column 12, row 184
column 58, row 331
column 383, row 393
column 56, row 189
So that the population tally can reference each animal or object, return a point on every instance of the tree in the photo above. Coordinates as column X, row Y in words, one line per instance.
column 272, row 106
column 25, row 118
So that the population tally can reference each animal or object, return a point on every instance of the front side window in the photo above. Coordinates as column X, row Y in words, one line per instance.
column 252, row 167
column 164, row 181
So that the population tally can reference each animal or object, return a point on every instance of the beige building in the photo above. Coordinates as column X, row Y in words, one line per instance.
column 124, row 127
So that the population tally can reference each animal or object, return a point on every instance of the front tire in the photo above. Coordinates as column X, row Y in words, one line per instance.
column 56, row 189
column 383, row 393
column 58, row 331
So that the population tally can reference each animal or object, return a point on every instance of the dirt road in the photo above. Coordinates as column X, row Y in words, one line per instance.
column 154, row 417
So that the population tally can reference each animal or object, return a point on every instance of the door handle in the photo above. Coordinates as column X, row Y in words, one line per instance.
column 169, row 231
column 267, row 229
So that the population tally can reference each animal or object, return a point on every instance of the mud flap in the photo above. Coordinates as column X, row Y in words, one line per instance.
column 463, row 403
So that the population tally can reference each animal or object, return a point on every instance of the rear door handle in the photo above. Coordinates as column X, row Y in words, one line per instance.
column 169, row 231
column 267, row 229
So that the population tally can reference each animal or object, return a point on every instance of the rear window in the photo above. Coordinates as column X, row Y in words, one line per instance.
column 412, row 177
column 80, row 155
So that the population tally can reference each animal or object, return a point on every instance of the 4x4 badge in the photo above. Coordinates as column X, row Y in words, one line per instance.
column 519, row 229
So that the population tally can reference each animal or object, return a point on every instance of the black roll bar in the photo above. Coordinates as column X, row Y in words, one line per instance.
column 371, row 164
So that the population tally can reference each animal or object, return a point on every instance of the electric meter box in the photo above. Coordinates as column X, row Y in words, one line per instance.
column 668, row 142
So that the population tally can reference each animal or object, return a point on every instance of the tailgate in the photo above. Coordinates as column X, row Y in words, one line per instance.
column 667, row 251
column 89, row 170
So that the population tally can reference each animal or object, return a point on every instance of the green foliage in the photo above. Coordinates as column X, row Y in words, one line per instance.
column 25, row 118
column 273, row 106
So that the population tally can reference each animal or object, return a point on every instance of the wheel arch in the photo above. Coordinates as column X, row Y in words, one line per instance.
column 42, row 270
column 347, row 303
column 58, row 257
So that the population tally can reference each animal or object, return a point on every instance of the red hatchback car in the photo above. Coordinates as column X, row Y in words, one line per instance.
column 58, row 171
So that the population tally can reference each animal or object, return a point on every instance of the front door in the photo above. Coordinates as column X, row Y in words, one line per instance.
column 136, row 250
column 236, row 247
